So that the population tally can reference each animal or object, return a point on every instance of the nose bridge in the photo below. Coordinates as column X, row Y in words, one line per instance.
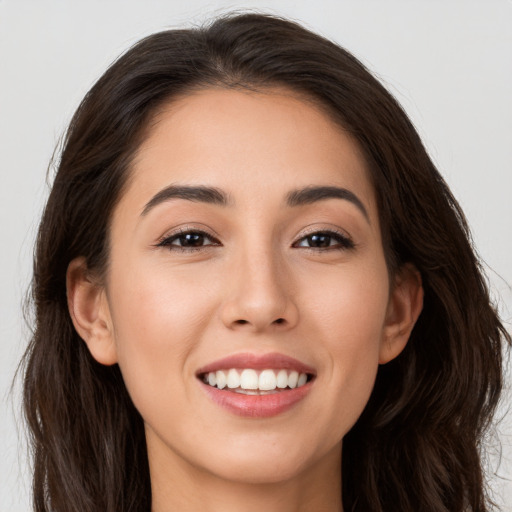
column 259, row 294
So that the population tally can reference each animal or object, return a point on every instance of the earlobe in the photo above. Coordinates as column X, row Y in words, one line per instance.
column 88, row 307
column 404, row 308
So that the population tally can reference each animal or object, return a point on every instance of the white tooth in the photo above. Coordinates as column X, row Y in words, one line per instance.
column 282, row 379
column 292, row 379
column 267, row 380
column 249, row 379
column 233, row 380
column 302, row 380
column 220, row 376
column 212, row 379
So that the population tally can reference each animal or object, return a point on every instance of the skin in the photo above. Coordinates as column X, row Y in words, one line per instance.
column 163, row 313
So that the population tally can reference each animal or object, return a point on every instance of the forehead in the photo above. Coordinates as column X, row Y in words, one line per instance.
column 251, row 144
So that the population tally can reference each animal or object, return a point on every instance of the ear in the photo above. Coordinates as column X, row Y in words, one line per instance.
column 404, row 308
column 88, row 307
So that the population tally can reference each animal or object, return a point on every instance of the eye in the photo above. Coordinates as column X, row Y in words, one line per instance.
column 325, row 240
column 188, row 240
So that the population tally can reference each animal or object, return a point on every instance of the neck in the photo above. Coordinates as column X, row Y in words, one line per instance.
column 177, row 485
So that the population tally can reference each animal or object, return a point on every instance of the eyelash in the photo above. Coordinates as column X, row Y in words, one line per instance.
column 344, row 242
column 167, row 240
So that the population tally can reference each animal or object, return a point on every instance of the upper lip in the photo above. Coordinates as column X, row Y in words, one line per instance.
column 271, row 360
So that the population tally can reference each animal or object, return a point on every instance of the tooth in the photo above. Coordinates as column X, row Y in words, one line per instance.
column 233, row 379
column 292, row 379
column 282, row 379
column 267, row 380
column 221, row 379
column 249, row 379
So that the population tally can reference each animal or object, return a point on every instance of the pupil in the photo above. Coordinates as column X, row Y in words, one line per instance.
column 320, row 240
column 192, row 239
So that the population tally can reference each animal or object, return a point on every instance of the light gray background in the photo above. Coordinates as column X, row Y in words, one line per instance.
column 448, row 62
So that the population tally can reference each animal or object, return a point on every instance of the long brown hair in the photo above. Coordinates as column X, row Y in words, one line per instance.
column 416, row 446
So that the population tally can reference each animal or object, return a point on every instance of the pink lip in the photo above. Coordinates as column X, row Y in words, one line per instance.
column 273, row 360
column 257, row 406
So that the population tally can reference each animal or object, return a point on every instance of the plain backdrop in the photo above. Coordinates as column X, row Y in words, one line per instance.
column 448, row 62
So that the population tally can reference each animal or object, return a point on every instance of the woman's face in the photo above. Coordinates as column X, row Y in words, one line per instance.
column 248, row 239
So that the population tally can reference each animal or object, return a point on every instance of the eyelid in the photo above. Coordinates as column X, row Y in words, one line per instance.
column 347, row 241
column 164, row 241
column 185, row 228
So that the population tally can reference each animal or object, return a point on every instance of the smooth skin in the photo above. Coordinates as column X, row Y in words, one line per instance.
column 258, row 282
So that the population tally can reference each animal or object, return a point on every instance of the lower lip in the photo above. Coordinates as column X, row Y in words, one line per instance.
column 256, row 406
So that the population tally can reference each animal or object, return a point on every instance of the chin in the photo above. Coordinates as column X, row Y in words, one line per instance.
column 277, row 462
column 258, row 472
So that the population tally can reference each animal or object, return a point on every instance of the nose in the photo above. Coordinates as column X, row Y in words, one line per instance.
column 259, row 294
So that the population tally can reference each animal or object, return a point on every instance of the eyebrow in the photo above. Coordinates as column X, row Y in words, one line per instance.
column 197, row 193
column 216, row 196
column 312, row 194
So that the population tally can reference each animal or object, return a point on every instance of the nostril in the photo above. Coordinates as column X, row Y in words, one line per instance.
column 277, row 321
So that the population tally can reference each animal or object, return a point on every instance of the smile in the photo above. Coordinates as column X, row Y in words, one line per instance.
column 251, row 382
column 256, row 386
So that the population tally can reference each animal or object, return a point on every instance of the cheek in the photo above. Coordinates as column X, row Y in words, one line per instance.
column 348, row 319
column 349, row 306
column 158, row 322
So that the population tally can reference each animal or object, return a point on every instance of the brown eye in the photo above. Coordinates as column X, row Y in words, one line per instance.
column 188, row 240
column 191, row 240
column 319, row 240
column 325, row 240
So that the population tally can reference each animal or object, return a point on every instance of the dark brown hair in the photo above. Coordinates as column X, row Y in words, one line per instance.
column 416, row 446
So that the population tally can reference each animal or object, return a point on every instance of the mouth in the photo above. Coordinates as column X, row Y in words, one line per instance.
column 249, row 381
column 256, row 385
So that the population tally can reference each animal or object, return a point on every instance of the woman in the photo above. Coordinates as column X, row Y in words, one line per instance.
column 254, row 289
